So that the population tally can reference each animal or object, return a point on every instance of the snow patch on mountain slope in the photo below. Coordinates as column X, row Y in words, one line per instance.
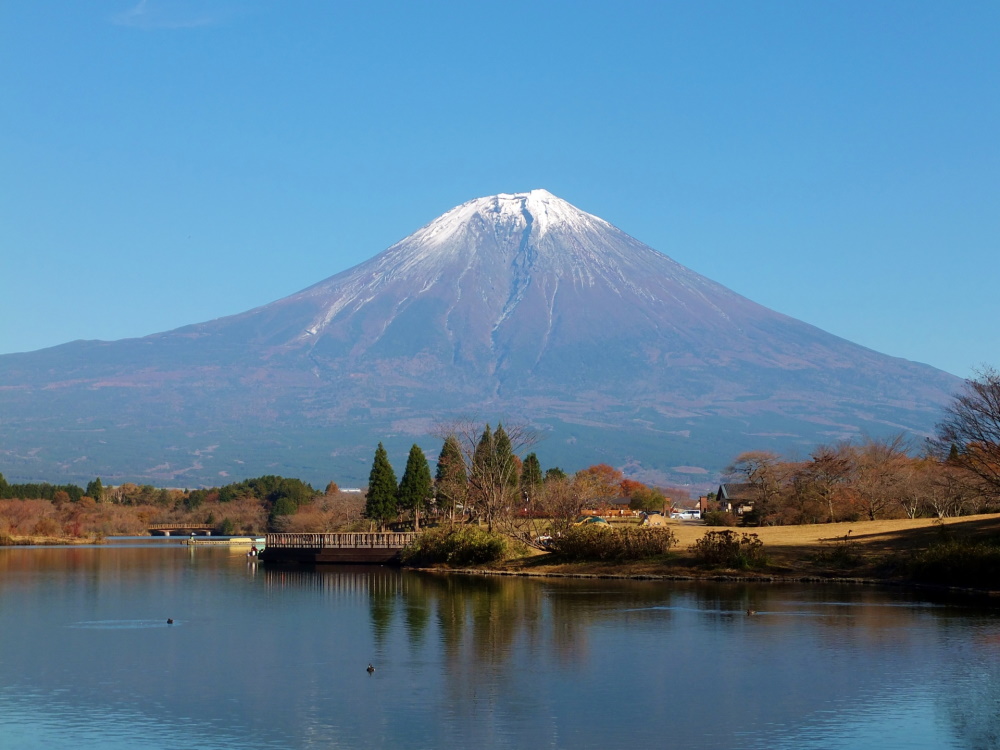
column 512, row 240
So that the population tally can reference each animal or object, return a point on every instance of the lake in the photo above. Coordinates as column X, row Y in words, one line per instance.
column 276, row 658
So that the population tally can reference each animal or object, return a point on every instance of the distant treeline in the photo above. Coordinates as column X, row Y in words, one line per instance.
column 39, row 491
column 252, row 506
column 273, row 491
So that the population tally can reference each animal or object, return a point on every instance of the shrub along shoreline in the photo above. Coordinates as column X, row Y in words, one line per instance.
column 957, row 555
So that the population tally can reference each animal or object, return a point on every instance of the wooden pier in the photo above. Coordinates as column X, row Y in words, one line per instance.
column 372, row 548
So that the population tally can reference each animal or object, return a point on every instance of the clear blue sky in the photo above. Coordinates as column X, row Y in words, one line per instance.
column 165, row 163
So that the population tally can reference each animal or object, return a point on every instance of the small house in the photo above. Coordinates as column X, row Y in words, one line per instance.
column 736, row 498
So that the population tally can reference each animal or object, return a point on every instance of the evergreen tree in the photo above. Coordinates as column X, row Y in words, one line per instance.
column 451, row 483
column 95, row 490
column 503, row 455
column 380, row 503
column 531, row 477
column 495, row 473
column 483, row 454
column 415, row 486
column 281, row 510
column 953, row 455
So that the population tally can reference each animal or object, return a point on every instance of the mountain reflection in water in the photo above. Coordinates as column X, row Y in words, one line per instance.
column 277, row 658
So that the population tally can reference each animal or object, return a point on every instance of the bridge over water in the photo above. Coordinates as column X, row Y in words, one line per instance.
column 375, row 547
column 169, row 529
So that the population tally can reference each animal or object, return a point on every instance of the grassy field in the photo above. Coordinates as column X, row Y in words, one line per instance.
column 860, row 549
column 871, row 536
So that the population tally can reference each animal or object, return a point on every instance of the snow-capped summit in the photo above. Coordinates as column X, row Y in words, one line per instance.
column 517, row 305
column 537, row 212
column 496, row 258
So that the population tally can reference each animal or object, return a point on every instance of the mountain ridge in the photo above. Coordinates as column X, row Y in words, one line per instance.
column 516, row 305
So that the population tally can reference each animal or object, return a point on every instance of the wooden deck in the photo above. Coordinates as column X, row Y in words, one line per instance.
column 372, row 548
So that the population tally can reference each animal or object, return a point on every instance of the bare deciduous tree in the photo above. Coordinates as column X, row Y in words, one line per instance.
column 972, row 428
column 493, row 468
column 766, row 475
column 882, row 469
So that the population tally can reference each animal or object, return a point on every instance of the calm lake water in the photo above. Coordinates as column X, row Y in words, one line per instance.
column 265, row 658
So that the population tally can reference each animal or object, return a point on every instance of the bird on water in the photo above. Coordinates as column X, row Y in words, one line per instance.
column 370, row 669
column 170, row 621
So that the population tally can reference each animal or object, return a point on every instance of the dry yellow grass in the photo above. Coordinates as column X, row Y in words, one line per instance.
column 796, row 547
column 793, row 551
column 890, row 534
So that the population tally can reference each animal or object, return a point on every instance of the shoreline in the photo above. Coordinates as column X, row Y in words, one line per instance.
column 861, row 553
column 813, row 554
column 47, row 541
column 715, row 577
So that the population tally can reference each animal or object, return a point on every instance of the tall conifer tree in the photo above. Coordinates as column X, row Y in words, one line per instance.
column 95, row 489
column 380, row 503
column 451, row 482
column 503, row 456
column 483, row 455
column 531, row 476
column 415, row 486
column 495, row 474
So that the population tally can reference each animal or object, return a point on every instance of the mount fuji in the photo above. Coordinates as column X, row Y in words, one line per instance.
column 510, row 307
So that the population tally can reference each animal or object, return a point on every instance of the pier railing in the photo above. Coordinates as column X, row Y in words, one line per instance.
column 374, row 540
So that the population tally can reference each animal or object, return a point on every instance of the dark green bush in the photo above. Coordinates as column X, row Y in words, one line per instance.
column 957, row 563
column 595, row 542
column 844, row 554
column 456, row 545
column 727, row 549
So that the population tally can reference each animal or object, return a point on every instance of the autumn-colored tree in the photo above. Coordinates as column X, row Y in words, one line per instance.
column 971, row 428
column 560, row 502
column 802, row 500
column 599, row 483
column 765, row 473
column 829, row 473
column 627, row 486
column 882, row 468
column 338, row 511
column 952, row 491
column 647, row 498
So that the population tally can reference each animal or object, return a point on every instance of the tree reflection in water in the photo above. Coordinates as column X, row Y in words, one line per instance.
column 506, row 652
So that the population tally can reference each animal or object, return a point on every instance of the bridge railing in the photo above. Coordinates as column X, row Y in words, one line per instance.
column 373, row 540
column 161, row 526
